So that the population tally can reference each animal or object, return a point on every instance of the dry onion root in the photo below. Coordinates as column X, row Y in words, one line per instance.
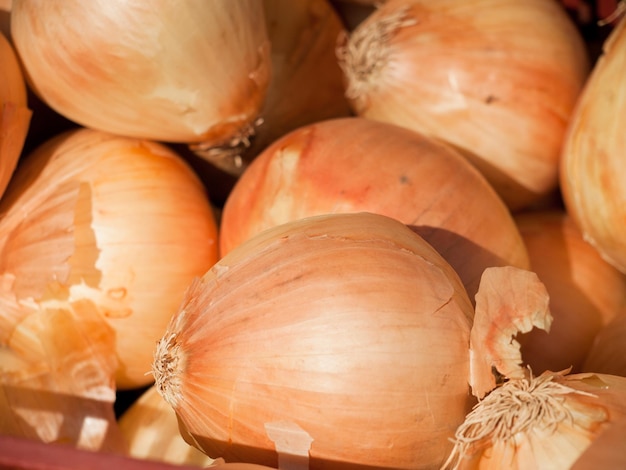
column 330, row 339
column 103, row 218
column 542, row 422
column 14, row 113
column 186, row 72
column 469, row 73
column 593, row 167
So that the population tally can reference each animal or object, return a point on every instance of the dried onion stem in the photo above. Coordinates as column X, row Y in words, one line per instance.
column 365, row 54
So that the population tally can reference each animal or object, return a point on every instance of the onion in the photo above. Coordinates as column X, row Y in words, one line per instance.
column 593, row 168
column 306, row 84
column 14, row 113
column 189, row 72
column 150, row 428
column 325, row 329
column 356, row 164
column 608, row 351
column 470, row 74
column 543, row 422
column 122, row 223
column 585, row 291
column 339, row 339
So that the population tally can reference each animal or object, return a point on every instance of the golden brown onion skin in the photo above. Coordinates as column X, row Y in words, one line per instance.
column 593, row 167
column 586, row 292
column 188, row 72
column 355, row 164
column 349, row 327
column 496, row 79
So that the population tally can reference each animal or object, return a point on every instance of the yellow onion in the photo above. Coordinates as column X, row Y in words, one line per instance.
column 189, row 72
column 120, row 222
column 340, row 340
column 585, row 291
column 593, row 168
column 150, row 428
column 306, row 84
column 469, row 73
column 608, row 351
column 334, row 329
column 355, row 164
column 539, row 422
column 14, row 113
column 56, row 378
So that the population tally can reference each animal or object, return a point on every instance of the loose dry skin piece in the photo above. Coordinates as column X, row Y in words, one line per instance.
column 57, row 378
column 509, row 301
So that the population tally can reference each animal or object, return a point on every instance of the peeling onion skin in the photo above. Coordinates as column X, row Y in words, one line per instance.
column 470, row 74
column 95, row 216
column 349, row 326
column 164, row 72
column 586, row 292
column 593, row 167
column 356, row 164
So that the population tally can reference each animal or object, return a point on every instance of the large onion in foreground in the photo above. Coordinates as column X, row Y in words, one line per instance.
column 593, row 166
column 344, row 340
column 357, row 164
column 346, row 333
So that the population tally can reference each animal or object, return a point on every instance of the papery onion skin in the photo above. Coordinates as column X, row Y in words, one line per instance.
column 593, row 167
column 188, row 72
column 349, row 327
column 121, row 222
column 356, row 164
column 586, row 292
column 14, row 112
column 470, row 74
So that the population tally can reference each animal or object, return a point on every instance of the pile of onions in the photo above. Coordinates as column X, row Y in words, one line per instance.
column 188, row 72
column 593, row 167
column 356, row 164
column 14, row 113
column 121, row 223
column 586, row 292
column 338, row 339
column 469, row 73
